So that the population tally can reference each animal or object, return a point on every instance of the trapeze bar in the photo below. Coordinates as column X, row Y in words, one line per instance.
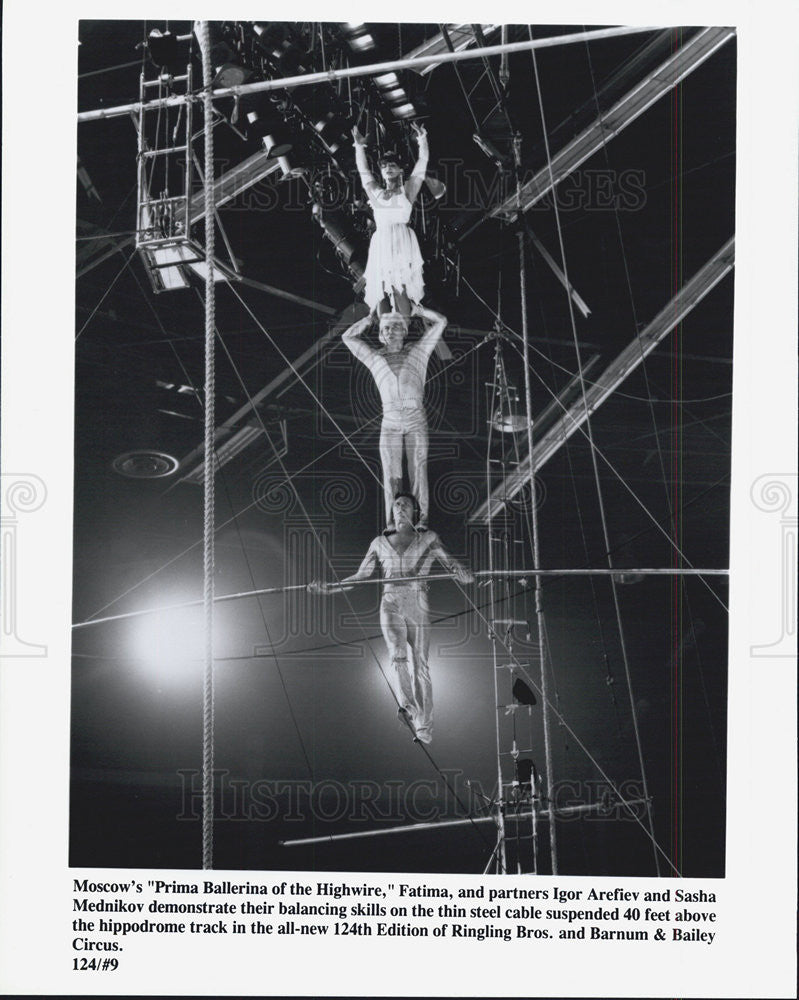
column 335, row 588
column 562, row 813
column 355, row 71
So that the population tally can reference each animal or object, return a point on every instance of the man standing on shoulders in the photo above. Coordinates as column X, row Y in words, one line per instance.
column 399, row 371
column 404, row 612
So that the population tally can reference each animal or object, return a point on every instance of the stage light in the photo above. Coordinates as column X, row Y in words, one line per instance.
column 332, row 129
column 288, row 171
column 230, row 74
column 359, row 38
column 436, row 187
column 522, row 693
column 227, row 71
column 362, row 43
column 404, row 111
column 277, row 41
column 163, row 49
column 387, row 80
column 512, row 421
column 272, row 134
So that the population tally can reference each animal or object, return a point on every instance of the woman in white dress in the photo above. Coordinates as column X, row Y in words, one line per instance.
column 394, row 281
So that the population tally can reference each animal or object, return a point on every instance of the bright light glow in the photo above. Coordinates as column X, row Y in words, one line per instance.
column 387, row 80
column 363, row 42
column 353, row 27
column 170, row 646
column 395, row 94
column 404, row 110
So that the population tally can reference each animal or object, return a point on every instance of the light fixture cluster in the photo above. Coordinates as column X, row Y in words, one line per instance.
column 395, row 95
column 358, row 37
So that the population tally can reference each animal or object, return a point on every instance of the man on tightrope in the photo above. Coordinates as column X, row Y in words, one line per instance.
column 399, row 371
column 404, row 612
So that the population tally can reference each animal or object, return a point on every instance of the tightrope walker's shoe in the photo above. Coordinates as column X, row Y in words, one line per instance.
column 404, row 716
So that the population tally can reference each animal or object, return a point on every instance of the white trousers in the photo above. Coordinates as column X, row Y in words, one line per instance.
column 404, row 432
column 405, row 620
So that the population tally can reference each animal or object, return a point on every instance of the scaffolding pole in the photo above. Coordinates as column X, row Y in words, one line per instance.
column 331, row 76
column 539, row 611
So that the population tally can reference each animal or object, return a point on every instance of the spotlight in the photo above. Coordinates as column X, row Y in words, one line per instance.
column 277, row 41
column 524, row 770
column 289, row 172
column 272, row 135
column 228, row 72
column 512, row 421
column 360, row 40
column 332, row 130
column 334, row 225
column 163, row 48
column 522, row 693
column 436, row 187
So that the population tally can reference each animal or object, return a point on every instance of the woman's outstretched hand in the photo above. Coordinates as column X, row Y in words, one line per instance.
column 419, row 131
column 357, row 138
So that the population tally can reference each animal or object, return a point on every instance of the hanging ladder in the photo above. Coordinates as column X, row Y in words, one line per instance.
column 518, row 798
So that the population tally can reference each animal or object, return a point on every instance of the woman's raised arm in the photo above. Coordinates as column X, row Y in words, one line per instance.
column 414, row 183
column 370, row 185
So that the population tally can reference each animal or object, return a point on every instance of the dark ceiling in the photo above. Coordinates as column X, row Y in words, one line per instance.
column 300, row 698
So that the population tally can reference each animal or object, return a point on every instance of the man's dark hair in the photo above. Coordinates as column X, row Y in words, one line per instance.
column 412, row 498
column 389, row 156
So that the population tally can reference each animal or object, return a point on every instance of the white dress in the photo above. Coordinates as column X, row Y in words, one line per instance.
column 395, row 260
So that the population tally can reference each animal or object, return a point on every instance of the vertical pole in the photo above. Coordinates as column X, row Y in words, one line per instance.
column 539, row 613
column 501, row 851
column 208, row 479
column 140, row 178
column 189, row 110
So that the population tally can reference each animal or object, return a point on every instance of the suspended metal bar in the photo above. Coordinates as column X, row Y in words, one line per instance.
column 605, row 384
column 690, row 55
column 239, row 440
column 480, row 574
column 460, row 36
column 625, row 111
column 566, row 812
column 331, row 76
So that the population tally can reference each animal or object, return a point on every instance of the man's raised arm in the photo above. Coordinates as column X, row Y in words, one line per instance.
column 352, row 338
column 432, row 334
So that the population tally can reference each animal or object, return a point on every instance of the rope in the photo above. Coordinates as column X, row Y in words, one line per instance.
column 499, row 851
column 651, row 404
column 208, row 479
column 588, row 381
column 118, row 275
column 600, row 499
column 318, row 540
column 288, row 480
column 198, row 397
column 539, row 611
